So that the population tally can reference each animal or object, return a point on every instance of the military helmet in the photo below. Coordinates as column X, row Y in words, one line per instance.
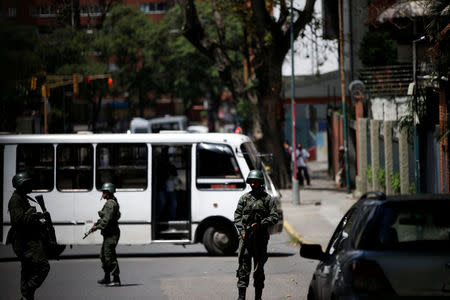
column 109, row 187
column 255, row 175
column 20, row 179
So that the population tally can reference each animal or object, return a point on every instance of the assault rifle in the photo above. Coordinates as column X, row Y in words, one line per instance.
column 51, row 246
column 88, row 233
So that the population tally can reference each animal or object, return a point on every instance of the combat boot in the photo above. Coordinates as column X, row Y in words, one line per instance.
column 242, row 292
column 106, row 280
column 115, row 281
column 258, row 293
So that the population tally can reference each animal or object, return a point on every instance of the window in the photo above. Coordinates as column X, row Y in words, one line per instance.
column 125, row 165
column 217, row 168
column 342, row 232
column 412, row 226
column 74, row 167
column 38, row 161
column 251, row 156
column 154, row 8
column 12, row 12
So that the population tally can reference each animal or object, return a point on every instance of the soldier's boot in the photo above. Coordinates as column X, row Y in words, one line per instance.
column 105, row 280
column 258, row 293
column 115, row 281
column 242, row 292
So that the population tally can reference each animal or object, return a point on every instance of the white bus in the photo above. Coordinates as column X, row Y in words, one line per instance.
column 171, row 187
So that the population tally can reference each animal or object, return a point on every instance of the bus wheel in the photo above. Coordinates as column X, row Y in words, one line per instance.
column 220, row 241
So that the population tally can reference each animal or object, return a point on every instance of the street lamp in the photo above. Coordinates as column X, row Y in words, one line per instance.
column 415, row 119
column 295, row 187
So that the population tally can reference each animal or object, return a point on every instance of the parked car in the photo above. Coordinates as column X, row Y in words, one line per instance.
column 385, row 247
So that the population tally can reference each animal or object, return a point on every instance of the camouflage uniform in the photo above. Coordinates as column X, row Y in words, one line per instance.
column 109, row 226
column 254, row 207
column 26, row 239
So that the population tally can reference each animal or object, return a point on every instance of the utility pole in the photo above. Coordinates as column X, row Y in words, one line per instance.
column 344, row 106
column 295, row 187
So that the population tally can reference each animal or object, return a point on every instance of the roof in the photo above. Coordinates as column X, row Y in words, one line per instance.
column 169, row 138
column 407, row 9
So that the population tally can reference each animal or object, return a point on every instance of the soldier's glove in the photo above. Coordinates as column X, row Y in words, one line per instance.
column 256, row 226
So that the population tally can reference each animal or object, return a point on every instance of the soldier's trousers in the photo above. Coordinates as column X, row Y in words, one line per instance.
column 108, row 254
column 258, row 252
column 35, row 267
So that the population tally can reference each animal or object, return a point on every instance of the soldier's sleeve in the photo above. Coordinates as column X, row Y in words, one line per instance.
column 19, row 217
column 238, row 215
column 272, row 218
column 108, row 210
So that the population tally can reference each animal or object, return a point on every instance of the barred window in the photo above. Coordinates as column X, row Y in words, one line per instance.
column 38, row 161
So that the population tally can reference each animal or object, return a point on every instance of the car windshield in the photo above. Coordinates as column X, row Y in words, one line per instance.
column 409, row 225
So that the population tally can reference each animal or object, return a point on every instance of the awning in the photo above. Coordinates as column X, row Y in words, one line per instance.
column 409, row 9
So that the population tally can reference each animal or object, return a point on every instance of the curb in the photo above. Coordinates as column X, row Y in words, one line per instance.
column 291, row 232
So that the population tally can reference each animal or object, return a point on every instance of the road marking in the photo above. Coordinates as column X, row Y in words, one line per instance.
column 291, row 231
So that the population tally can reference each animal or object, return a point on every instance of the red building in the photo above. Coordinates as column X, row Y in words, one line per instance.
column 90, row 13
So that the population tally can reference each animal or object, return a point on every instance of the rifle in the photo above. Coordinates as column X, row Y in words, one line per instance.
column 52, row 248
column 88, row 233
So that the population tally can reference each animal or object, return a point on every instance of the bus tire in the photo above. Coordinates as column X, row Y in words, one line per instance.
column 220, row 241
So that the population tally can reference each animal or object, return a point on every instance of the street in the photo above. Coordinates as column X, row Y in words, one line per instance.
column 164, row 272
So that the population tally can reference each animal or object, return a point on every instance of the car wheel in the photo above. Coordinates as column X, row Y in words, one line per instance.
column 220, row 241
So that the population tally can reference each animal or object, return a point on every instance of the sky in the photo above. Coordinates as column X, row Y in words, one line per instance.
column 312, row 53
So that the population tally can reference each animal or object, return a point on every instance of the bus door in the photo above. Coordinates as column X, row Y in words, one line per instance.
column 171, row 200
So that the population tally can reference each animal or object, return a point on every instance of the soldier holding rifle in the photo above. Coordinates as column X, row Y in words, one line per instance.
column 255, row 213
column 27, row 236
column 109, row 226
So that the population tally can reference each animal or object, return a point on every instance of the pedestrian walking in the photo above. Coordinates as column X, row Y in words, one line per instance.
column 109, row 226
column 26, row 235
column 255, row 213
column 302, row 155
column 339, row 180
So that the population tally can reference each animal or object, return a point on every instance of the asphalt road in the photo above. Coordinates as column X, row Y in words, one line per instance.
column 162, row 272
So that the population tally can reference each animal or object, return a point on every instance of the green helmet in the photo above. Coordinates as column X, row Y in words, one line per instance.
column 109, row 187
column 20, row 179
column 255, row 175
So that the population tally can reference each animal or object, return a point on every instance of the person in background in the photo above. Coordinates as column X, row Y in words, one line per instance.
column 302, row 156
column 339, row 180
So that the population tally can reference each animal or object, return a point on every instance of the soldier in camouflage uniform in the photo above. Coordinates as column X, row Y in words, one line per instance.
column 26, row 238
column 109, row 226
column 255, row 213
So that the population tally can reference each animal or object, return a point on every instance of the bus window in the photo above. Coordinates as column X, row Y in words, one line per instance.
column 217, row 168
column 125, row 165
column 74, row 167
column 37, row 160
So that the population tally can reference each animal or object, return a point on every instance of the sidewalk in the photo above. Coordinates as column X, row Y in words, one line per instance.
column 321, row 207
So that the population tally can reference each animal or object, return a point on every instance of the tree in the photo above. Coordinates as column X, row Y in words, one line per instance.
column 183, row 71
column 263, row 47
column 20, row 62
column 124, row 40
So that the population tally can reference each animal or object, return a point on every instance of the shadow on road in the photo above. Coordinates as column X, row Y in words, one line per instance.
column 144, row 255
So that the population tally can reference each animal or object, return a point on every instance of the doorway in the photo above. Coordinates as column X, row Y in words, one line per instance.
column 171, row 181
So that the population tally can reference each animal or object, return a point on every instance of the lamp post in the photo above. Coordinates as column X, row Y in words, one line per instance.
column 344, row 106
column 295, row 187
column 415, row 120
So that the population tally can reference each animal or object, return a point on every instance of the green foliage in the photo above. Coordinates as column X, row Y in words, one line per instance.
column 377, row 49
column 18, row 50
column 395, row 182
column 412, row 188
column 369, row 174
column 381, row 177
